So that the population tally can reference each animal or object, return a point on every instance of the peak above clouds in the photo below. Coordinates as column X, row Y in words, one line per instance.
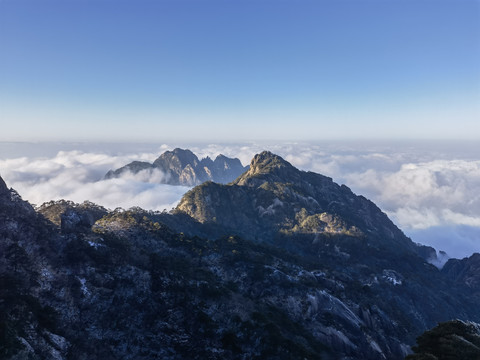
column 77, row 176
column 183, row 167
column 432, row 192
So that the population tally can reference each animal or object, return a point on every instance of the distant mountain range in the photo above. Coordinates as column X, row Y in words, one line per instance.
column 182, row 167
column 278, row 264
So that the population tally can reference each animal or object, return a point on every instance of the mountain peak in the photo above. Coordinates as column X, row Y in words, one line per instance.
column 268, row 166
column 273, row 198
column 267, row 160
column 178, row 157
column 183, row 152
column 221, row 157
column 182, row 167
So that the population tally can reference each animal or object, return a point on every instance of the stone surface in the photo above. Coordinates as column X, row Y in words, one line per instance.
column 182, row 167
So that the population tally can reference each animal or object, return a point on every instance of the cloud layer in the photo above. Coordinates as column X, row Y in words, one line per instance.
column 430, row 192
column 78, row 176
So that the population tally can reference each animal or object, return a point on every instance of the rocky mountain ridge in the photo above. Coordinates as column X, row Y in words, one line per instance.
column 182, row 167
column 273, row 198
column 309, row 270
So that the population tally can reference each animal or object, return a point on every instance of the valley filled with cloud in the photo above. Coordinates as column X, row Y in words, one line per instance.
column 431, row 191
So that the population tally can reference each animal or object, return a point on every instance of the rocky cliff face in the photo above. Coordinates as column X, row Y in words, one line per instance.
column 130, row 288
column 182, row 167
column 281, row 264
column 451, row 340
column 3, row 187
column 465, row 272
column 25, row 238
column 273, row 199
column 309, row 215
column 72, row 217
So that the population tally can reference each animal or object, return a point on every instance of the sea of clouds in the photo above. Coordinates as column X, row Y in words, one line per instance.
column 430, row 190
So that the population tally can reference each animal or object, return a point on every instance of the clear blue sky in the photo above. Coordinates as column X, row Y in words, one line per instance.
column 239, row 70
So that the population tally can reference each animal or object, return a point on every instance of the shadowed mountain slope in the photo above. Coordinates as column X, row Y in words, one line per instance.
column 451, row 340
column 273, row 198
column 466, row 273
column 311, row 216
column 279, row 264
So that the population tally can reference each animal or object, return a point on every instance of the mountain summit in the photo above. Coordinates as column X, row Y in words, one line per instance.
column 268, row 166
column 182, row 167
column 274, row 199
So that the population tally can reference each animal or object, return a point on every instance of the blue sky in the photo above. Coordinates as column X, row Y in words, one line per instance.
column 239, row 70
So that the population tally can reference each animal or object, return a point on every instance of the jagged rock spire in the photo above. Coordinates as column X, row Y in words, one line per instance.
column 183, row 167
column 3, row 186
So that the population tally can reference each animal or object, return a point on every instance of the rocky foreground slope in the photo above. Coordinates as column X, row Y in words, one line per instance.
column 449, row 340
column 280, row 264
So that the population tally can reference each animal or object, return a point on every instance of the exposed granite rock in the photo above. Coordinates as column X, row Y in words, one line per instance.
column 71, row 217
column 311, row 216
column 465, row 272
column 273, row 198
column 451, row 340
column 182, row 167
column 325, row 276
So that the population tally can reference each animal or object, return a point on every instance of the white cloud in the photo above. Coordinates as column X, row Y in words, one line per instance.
column 438, row 192
column 127, row 193
column 422, row 187
column 457, row 241
column 243, row 152
column 151, row 176
column 77, row 176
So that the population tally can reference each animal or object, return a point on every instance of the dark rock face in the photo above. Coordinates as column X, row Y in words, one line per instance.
column 280, row 264
column 182, row 167
column 134, row 167
column 71, row 217
column 451, row 340
column 224, row 169
column 465, row 272
column 3, row 186
column 309, row 215
column 23, row 242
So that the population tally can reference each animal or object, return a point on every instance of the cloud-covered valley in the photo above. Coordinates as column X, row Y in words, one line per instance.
column 430, row 192
column 78, row 176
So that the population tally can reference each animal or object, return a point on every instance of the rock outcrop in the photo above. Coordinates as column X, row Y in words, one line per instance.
column 451, row 340
column 465, row 272
column 273, row 198
column 3, row 187
column 182, row 167
column 72, row 217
